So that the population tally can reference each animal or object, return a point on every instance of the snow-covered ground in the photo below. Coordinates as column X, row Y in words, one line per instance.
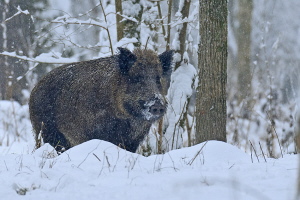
column 100, row 170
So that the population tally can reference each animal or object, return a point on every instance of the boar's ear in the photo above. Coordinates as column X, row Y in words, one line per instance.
column 126, row 59
column 166, row 60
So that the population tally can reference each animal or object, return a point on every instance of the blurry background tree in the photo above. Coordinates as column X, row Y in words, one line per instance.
column 17, row 35
column 244, row 55
column 134, row 10
column 182, row 35
column 84, row 39
column 119, row 23
column 271, row 97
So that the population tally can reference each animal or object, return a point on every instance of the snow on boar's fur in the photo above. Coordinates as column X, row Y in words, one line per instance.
column 115, row 99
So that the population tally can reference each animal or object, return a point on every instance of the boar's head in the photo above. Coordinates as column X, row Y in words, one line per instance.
column 144, row 79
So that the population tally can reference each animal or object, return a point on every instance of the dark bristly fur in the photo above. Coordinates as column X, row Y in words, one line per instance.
column 114, row 99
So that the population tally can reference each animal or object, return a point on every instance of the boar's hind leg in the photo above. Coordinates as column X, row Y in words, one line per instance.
column 56, row 139
column 52, row 136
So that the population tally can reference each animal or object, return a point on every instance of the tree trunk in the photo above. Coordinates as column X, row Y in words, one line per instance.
column 3, row 61
column 182, row 34
column 169, row 24
column 297, row 140
column 120, row 25
column 244, row 54
column 212, row 55
column 132, row 29
column 16, row 35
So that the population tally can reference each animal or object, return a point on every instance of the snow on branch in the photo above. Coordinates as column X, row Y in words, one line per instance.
column 48, row 58
column 65, row 19
column 20, row 11
column 125, row 17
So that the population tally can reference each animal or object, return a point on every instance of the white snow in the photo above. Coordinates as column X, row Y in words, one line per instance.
column 146, row 113
column 15, row 128
column 181, row 88
column 20, row 11
column 100, row 170
column 53, row 57
column 212, row 170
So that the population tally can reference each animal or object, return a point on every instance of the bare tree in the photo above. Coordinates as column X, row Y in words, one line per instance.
column 4, row 92
column 211, row 91
column 119, row 24
column 132, row 22
column 89, row 35
column 244, row 53
column 17, row 35
column 182, row 34
column 297, row 140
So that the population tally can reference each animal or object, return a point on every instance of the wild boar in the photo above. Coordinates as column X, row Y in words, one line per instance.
column 115, row 99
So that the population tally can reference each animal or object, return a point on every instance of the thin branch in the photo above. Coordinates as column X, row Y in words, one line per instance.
column 147, row 42
column 14, row 55
column 160, row 16
column 89, row 11
column 89, row 22
column 273, row 126
column 125, row 17
column 25, row 12
column 108, row 33
column 169, row 25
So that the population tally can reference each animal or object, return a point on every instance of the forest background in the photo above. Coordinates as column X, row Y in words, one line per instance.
column 263, row 63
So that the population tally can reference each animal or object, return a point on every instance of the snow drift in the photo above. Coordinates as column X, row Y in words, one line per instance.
column 100, row 170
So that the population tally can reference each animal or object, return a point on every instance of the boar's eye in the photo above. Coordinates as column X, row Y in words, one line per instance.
column 158, row 80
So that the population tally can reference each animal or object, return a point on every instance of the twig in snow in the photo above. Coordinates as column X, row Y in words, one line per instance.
column 88, row 155
column 159, row 164
column 191, row 161
column 5, row 165
column 117, row 159
column 273, row 126
column 178, row 123
column 254, row 150
column 262, row 151
column 97, row 157
column 175, row 169
column 147, row 42
column 107, row 161
column 58, row 182
column 251, row 155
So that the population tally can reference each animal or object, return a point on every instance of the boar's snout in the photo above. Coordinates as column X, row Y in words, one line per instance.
column 157, row 109
column 154, row 109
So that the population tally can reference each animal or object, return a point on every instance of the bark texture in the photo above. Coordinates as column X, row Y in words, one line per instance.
column 182, row 34
column 244, row 52
column 211, row 91
column 120, row 25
